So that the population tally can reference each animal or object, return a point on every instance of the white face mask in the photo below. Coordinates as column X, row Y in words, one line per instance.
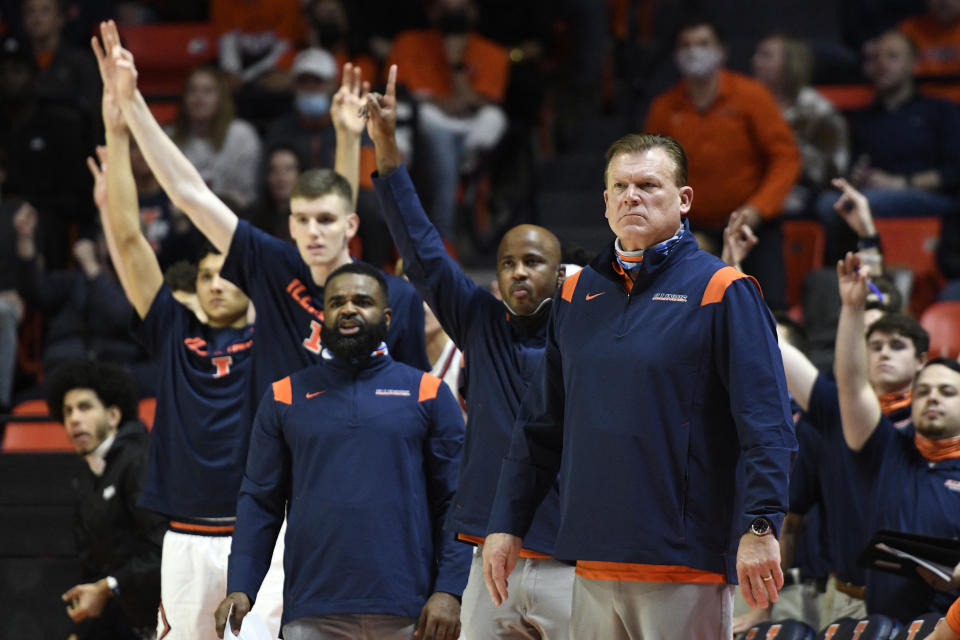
column 698, row 61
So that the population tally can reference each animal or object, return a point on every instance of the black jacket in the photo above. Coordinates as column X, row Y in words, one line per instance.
column 115, row 537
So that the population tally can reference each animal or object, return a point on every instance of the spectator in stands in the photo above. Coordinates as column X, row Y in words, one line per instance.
column 936, row 35
column 119, row 542
column 85, row 312
column 742, row 153
column 309, row 129
column 258, row 39
column 460, row 79
column 66, row 73
column 329, row 29
column 908, row 475
column 784, row 65
column 906, row 159
column 46, row 140
column 11, row 304
column 526, row 30
column 272, row 211
column 223, row 148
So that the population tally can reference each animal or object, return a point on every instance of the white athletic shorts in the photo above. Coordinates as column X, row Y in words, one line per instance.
column 193, row 582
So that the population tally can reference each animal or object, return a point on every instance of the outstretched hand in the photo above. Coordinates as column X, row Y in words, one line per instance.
column 738, row 239
column 380, row 111
column 349, row 100
column 853, row 276
column 117, row 69
column 854, row 208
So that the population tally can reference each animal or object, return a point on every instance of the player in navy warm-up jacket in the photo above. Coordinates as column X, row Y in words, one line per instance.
column 503, row 345
column 360, row 453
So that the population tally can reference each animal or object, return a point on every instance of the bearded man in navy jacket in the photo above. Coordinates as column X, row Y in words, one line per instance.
column 361, row 454
column 662, row 404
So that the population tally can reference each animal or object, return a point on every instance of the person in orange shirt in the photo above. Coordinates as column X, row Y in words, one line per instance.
column 743, row 156
column 936, row 36
column 460, row 79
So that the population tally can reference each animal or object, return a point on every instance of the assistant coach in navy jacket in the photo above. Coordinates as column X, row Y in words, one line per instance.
column 663, row 405
column 360, row 452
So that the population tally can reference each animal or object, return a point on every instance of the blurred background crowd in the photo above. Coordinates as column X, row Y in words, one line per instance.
column 506, row 109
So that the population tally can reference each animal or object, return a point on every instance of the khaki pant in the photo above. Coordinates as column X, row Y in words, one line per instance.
column 839, row 605
column 616, row 610
column 351, row 627
column 540, row 590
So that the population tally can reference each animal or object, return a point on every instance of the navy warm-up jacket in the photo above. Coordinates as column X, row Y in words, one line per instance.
column 664, row 409
column 364, row 460
column 501, row 354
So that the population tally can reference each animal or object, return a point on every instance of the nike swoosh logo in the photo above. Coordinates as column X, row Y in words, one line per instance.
column 314, row 394
column 591, row 296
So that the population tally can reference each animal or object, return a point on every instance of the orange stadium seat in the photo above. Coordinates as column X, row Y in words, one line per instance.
column 911, row 243
column 166, row 53
column 942, row 322
column 34, row 437
column 803, row 247
column 847, row 97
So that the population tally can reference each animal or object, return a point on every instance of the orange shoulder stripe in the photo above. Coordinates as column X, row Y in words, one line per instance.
column 631, row 572
column 282, row 391
column 569, row 285
column 428, row 387
column 720, row 281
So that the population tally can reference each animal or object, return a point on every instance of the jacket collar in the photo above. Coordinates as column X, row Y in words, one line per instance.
column 377, row 360
column 655, row 259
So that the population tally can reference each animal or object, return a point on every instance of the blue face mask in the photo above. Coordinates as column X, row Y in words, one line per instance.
column 313, row 105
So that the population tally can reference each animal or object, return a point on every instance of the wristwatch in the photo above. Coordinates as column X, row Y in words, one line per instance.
column 761, row 527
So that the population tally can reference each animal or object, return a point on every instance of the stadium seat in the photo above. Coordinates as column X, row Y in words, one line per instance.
column 781, row 630
column 873, row 627
column 146, row 410
column 942, row 322
column 34, row 436
column 912, row 243
column 166, row 53
column 847, row 97
column 803, row 248
column 919, row 628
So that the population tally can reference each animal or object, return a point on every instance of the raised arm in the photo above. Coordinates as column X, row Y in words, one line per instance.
column 132, row 255
column 854, row 208
column 348, row 124
column 178, row 177
column 859, row 408
column 437, row 277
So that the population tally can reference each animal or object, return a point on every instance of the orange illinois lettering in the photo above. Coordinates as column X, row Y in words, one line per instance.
column 751, row 634
column 859, row 629
column 773, row 631
column 222, row 363
column 831, row 631
column 197, row 345
column 296, row 290
column 914, row 629
column 312, row 343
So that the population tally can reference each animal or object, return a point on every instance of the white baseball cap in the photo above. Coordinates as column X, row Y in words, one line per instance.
column 315, row 62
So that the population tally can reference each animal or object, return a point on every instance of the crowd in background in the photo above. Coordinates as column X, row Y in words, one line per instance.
column 488, row 90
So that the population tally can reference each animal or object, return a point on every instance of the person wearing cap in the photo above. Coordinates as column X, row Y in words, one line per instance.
column 309, row 128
